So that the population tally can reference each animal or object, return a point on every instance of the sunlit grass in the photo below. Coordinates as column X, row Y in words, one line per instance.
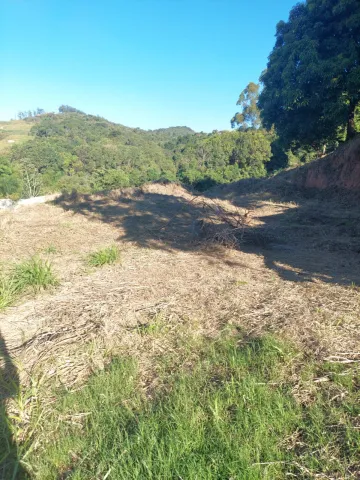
column 105, row 256
column 232, row 414
column 34, row 273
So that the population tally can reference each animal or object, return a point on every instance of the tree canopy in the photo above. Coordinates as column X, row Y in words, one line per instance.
column 249, row 117
column 311, row 86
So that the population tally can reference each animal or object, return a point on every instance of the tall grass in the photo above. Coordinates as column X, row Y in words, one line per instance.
column 35, row 273
column 9, row 290
column 232, row 415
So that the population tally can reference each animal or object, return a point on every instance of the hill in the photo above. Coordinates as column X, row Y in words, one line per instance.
column 13, row 132
column 72, row 150
column 75, row 151
column 166, row 134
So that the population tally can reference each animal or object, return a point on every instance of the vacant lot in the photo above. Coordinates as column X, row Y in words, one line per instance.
column 181, row 278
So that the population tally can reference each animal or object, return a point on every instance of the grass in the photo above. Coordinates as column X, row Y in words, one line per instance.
column 104, row 256
column 51, row 249
column 9, row 290
column 232, row 414
column 34, row 273
column 17, row 130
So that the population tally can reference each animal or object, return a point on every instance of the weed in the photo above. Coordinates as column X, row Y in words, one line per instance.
column 155, row 326
column 105, row 256
column 51, row 249
column 240, row 283
column 9, row 289
column 35, row 273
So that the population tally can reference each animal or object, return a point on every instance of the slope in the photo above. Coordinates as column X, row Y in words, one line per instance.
column 13, row 132
column 291, row 269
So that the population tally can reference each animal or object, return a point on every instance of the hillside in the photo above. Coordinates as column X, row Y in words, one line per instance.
column 13, row 132
column 339, row 170
column 243, row 261
column 72, row 150
column 75, row 151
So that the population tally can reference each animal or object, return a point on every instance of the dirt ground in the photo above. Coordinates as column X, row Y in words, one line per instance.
column 294, row 270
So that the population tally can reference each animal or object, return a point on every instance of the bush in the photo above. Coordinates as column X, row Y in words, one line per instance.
column 10, row 183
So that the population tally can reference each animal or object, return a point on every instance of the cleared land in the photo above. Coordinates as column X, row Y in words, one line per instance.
column 15, row 131
column 186, row 276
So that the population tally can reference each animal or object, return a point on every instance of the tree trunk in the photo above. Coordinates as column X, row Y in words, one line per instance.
column 351, row 131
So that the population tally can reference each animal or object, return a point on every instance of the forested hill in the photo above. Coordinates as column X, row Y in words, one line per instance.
column 72, row 150
column 94, row 127
column 170, row 132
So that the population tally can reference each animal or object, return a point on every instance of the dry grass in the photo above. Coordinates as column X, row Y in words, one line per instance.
column 190, row 266
column 16, row 130
column 288, row 292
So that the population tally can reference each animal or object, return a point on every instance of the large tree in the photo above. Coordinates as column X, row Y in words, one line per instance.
column 249, row 117
column 312, row 81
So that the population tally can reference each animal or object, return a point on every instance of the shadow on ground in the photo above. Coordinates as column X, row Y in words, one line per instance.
column 309, row 239
column 10, row 467
column 304, row 234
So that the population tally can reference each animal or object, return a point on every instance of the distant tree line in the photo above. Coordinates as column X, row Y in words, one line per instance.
column 30, row 113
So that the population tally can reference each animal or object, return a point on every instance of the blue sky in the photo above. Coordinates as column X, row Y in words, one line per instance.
column 142, row 63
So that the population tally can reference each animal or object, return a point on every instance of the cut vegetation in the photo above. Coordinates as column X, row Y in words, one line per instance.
column 225, row 345
column 190, row 358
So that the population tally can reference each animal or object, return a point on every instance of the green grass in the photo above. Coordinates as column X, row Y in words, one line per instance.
column 230, row 415
column 17, row 130
column 9, row 290
column 105, row 256
column 34, row 273
column 51, row 249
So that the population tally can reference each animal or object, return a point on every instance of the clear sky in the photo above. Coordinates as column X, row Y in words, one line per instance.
column 142, row 63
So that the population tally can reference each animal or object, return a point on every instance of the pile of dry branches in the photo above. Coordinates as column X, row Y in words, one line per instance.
column 220, row 225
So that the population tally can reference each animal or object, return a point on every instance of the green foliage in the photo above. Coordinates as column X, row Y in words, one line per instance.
column 312, row 81
column 9, row 289
column 68, row 109
column 30, row 114
column 249, row 117
column 105, row 256
column 221, row 157
column 9, row 179
column 88, row 153
column 111, row 179
column 231, row 414
column 74, row 151
column 51, row 249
